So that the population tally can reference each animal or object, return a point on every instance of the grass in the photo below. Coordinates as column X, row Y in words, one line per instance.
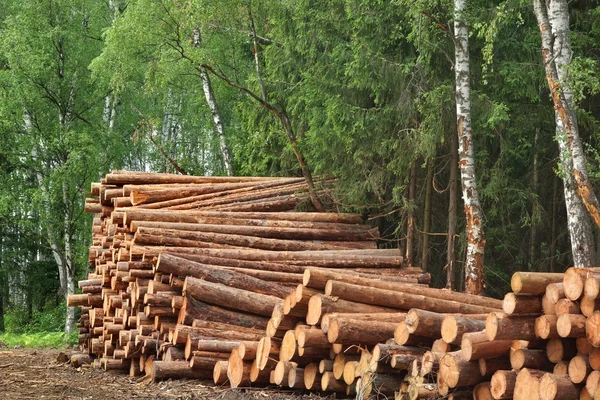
column 54, row 340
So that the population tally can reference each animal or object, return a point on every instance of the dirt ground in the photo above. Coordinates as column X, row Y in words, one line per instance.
column 36, row 374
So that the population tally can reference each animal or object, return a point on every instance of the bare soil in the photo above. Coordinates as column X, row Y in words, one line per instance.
column 37, row 374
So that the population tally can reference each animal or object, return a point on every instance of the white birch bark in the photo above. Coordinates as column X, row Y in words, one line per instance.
column 553, row 18
column 214, row 110
column 68, row 259
column 466, row 153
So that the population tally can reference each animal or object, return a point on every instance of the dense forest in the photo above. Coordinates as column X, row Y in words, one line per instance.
column 364, row 91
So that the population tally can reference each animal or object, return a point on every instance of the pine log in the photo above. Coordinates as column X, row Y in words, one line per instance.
column 530, row 358
column 456, row 371
column 522, row 304
column 574, row 281
column 588, row 306
column 557, row 387
column 592, row 383
column 372, row 317
column 454, row 326
column 340, row 280
column 503, row 384
column 561, row 368
column 312, row 379
column 594, row 358
column 571, row 325
column 377, row 258
column 384, row 384
column 527, row 384
column 579, row 368
column 356, row 331
column 195, row 309
column 591, row 287
column 308, row 337
column 560, row 349
column 430, row 362
column 592, row 329
column 566, row 306
column 181, row 333
column 545, row 327
column 170, row 264
column 176, row 370
column 482, row 391
column 321, row 304
column 233, row 298
column 533, row 282
column 399, row 300
column 475, row 345
column 489, row 366
column 331, row 384
column 504, row 327
column 555, row 292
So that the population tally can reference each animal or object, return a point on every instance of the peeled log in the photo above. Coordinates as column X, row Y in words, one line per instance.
column 233, row 298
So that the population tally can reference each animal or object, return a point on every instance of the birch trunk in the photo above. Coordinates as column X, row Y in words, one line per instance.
column 212, row 104
column 473, row 213
column 68, row 259
column 553, row 19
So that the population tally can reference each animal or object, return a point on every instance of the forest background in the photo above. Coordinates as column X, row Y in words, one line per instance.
column 361, row 90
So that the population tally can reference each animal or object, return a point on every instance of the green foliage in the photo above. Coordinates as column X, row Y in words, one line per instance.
column 49, row 339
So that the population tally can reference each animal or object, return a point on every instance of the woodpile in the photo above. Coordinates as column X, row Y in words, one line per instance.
column 189, row 281
column 201, row 277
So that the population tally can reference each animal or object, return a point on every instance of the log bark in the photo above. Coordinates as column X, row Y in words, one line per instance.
column 454, row 326
column 237, row 299
column 195, row 309
column 504, row 327
column 320, row 304
column 455, row 371
column 400, row 300
column 557, row 387
column 356, row 331
column 186, row 268
column 533, row 282
column 530, row 358
column 522, row 304
column 176, row 370
column 503, row 384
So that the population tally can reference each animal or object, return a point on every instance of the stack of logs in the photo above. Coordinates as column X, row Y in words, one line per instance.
column 193, row 279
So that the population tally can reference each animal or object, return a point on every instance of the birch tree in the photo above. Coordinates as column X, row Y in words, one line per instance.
column 553, row 21
column 466, row 153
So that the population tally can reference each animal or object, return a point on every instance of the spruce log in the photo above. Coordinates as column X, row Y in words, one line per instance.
column 195, row 309
column 555, row 292
column 475, row 345
column 489, row 366
column 545, row 327
column 527, row 384
column 574, row 281
column 561, row 349
column 592, row 329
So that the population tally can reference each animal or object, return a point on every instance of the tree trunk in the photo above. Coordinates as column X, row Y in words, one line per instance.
column 263, row 91
column 475, row 237
column 427, row 215
column 410, row 225
column 553, row 20
column 450, row 251
column 535, row 208
column 212, row 104
column 68, row 259
column 554, row 229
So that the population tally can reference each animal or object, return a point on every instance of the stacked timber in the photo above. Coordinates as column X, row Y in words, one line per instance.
column 189, row 271
column 201, row 277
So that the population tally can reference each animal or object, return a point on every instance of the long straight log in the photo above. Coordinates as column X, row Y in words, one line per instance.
column 400, row 300
column 533, row 282
column 455, row 326
column 233, row 298
column 176, row 370
column 320, row 304
column 504, row 327
column 195, row 309
column 171, row 264
column 356, row 331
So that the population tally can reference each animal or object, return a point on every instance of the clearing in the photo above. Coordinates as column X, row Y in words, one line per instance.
column 36, row 374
